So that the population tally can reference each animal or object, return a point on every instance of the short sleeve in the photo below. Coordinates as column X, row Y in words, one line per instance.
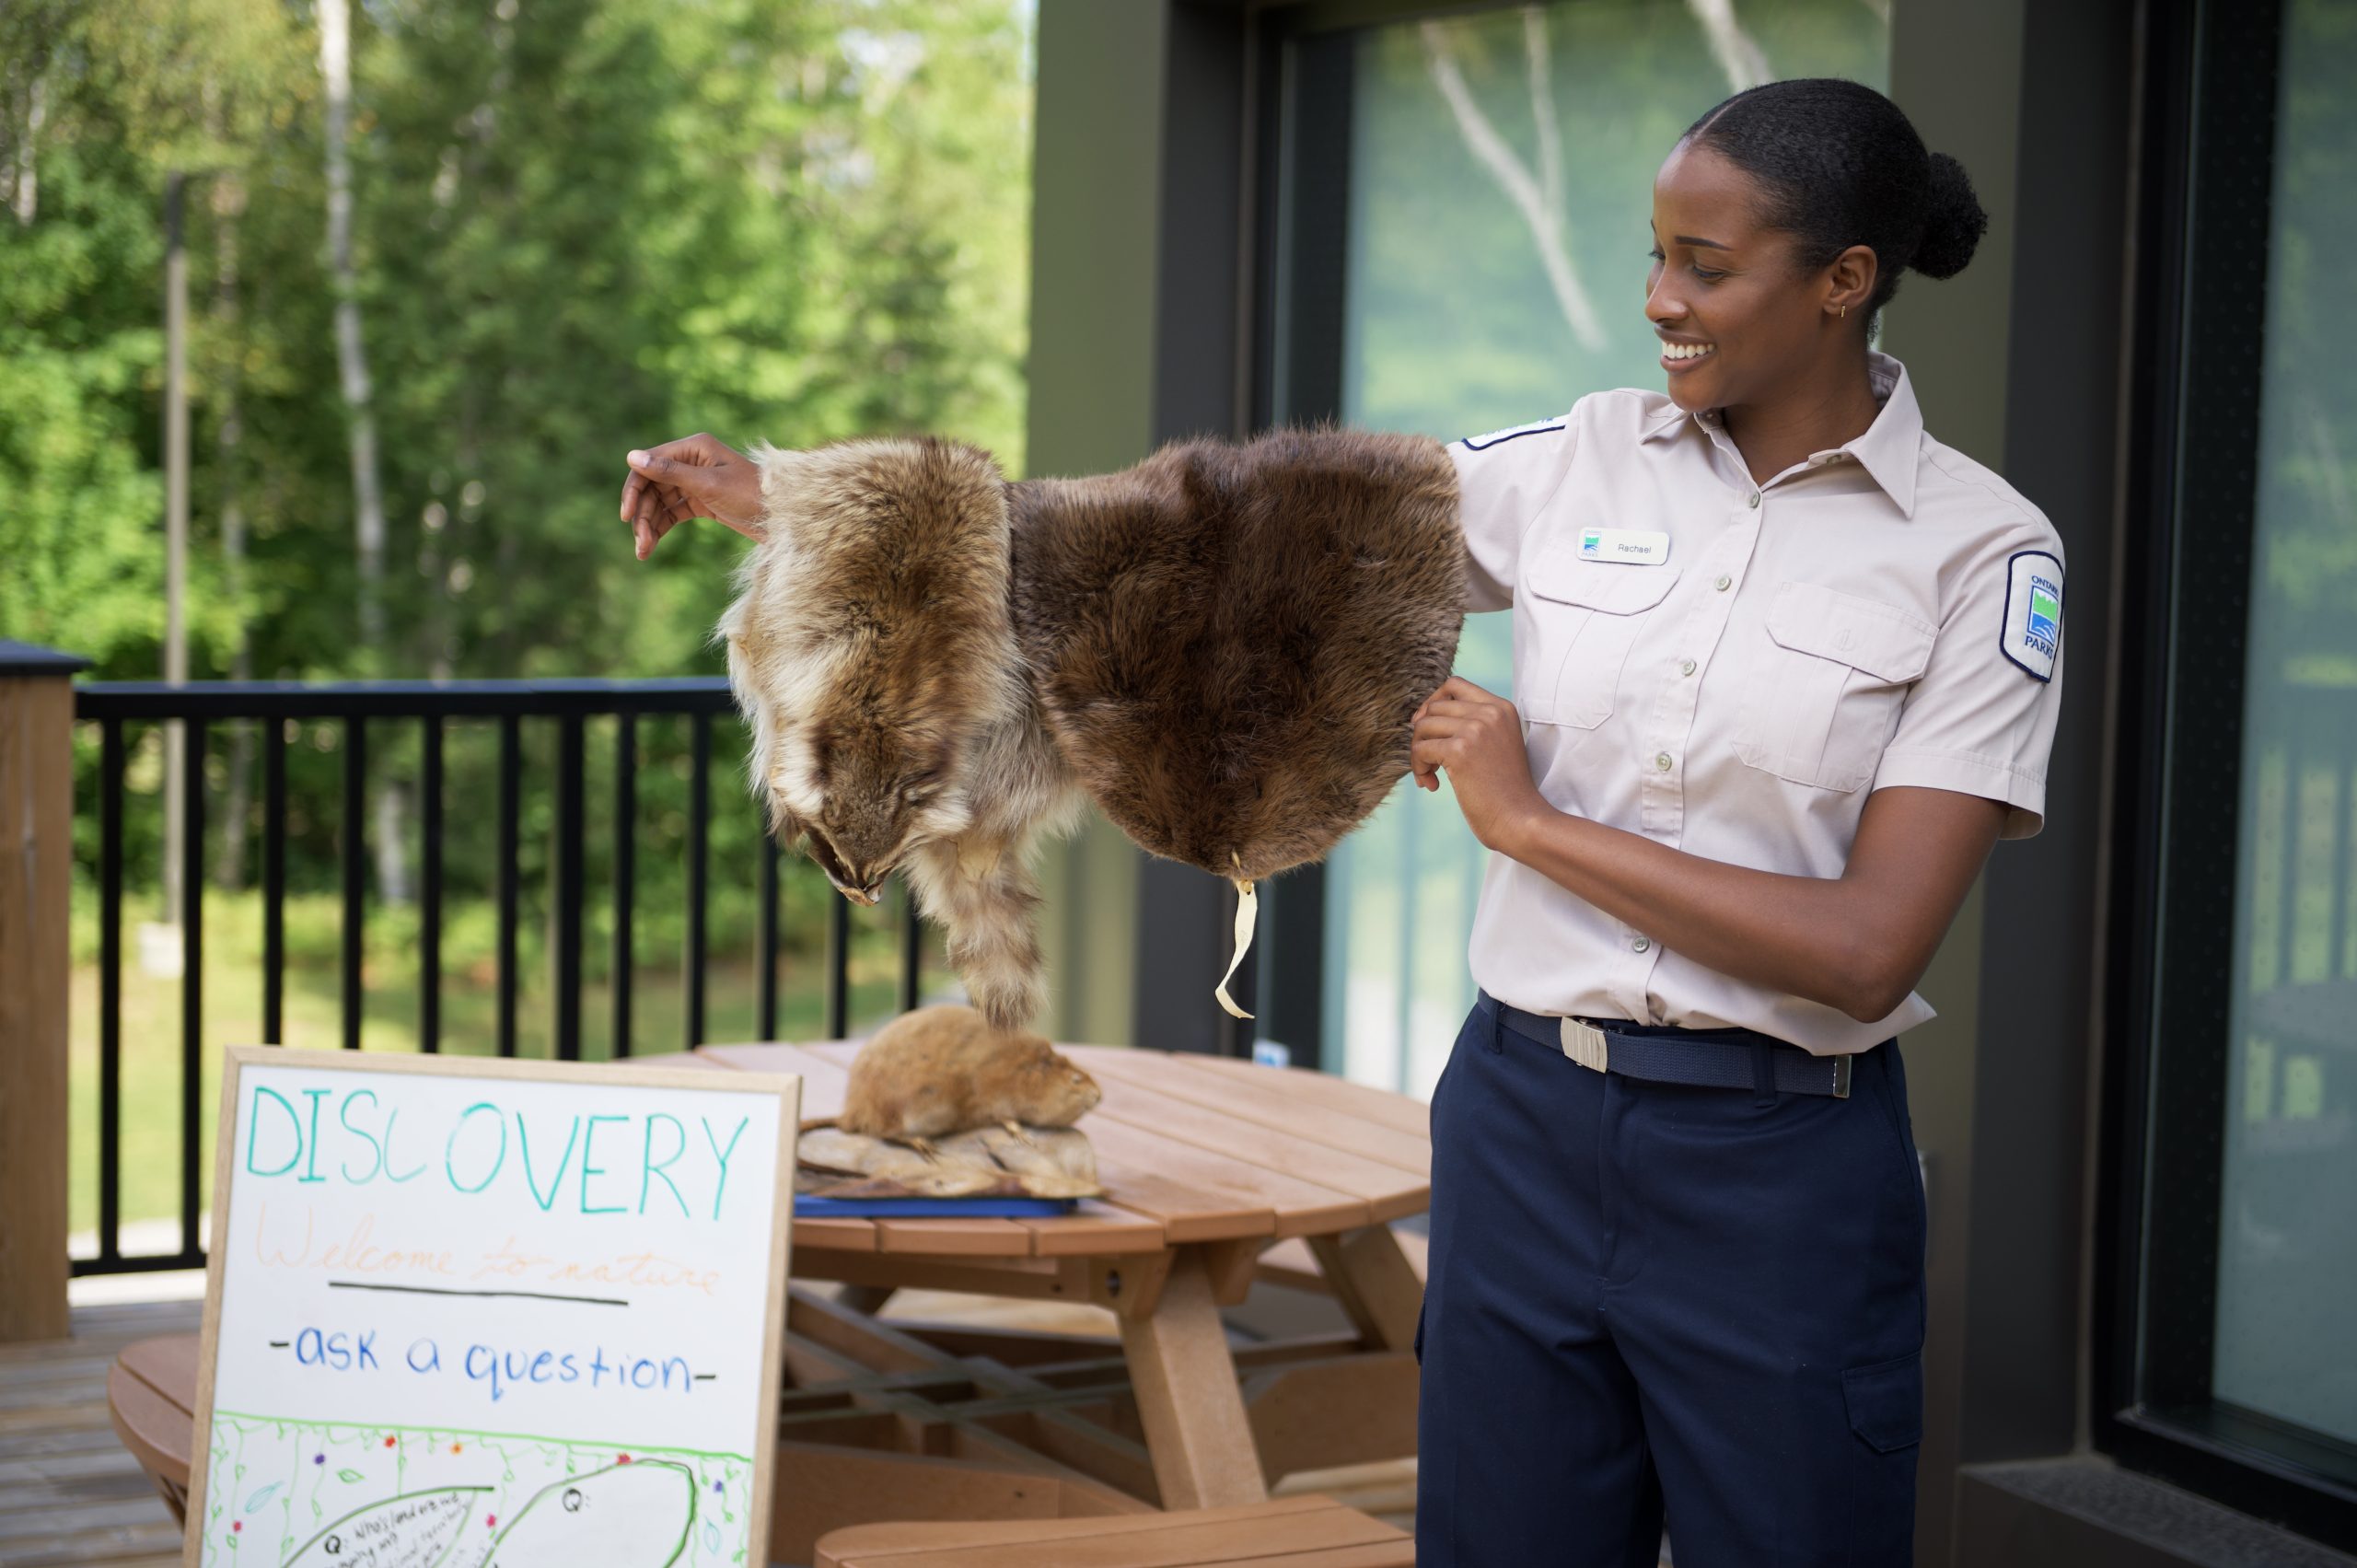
column 1503, row 479
column 1980, row 719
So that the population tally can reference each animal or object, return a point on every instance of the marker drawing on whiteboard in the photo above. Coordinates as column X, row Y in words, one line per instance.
column 627, row 1515
column 414, row 1530
column 436, row 1290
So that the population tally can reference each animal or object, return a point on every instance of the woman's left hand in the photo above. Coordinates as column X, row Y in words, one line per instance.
column 1477, row 736
column 697, row 476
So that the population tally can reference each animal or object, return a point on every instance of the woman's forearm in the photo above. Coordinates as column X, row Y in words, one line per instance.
column 1801, row 934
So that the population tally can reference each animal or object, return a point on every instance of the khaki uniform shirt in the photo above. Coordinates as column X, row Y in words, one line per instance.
column 1731, row 670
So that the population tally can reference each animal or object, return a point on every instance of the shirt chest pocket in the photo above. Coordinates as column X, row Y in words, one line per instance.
column 1573, row 624
column 1824, row 692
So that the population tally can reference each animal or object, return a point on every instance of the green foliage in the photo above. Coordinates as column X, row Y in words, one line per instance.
column 579, row 226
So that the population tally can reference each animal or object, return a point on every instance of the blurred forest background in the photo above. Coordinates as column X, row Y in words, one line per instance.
column 447, row 261
column 576, row 226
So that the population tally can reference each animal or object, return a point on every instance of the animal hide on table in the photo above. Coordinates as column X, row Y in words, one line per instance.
column 994, row 1162
column 1221, row 646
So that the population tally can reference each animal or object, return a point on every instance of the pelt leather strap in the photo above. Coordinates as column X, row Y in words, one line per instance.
column 1248, row 906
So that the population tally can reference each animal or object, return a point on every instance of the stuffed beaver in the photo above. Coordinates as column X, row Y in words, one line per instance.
column 942, row 1069
column 1221, row 646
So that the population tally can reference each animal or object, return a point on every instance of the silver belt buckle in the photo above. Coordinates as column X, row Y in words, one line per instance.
column 1585, row 1044
column 1841, row 1076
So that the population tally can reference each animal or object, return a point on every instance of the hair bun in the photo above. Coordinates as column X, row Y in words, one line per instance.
column 1953, row 221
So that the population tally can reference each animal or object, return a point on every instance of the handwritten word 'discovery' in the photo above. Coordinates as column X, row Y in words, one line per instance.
column 589, row 1164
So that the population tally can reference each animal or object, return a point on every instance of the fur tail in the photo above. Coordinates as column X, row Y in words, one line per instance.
column 983, row 895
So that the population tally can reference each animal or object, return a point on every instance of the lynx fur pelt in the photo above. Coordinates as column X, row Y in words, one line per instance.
column 1220, row 648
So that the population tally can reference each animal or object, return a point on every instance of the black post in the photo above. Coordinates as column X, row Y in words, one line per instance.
column 274, row 880
column 765, row 944
column 191, row 983
column 110, row 991
column 838, row 967
column 625, row 872
column 564, row 918
column 429, row 896
column 355, row 871
column 511, row 768
column 699, row 823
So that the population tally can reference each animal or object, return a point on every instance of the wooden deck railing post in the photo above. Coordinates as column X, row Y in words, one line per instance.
column 36, row 862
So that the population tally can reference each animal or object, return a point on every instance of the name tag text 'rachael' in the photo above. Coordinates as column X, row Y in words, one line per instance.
column 590, row 1165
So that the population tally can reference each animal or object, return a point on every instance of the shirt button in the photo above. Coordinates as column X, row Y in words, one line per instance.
column 1722, row 583
column 1639, row 946
column 1686, row 666
column 1661, row 760
column 1755, row 498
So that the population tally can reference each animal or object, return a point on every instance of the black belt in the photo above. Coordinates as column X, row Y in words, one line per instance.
column 1717, row 1058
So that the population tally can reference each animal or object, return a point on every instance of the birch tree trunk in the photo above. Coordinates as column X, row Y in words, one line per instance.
column 1737, row 52
column 228, row 203
column 351, row 367
column 1538, row 194
column 1539, row 197
column 24, row 196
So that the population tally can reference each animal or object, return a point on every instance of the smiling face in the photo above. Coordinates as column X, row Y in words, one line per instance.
column 1722, row 285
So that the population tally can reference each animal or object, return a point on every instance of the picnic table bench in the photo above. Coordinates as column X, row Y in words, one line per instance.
column 1295, row 1532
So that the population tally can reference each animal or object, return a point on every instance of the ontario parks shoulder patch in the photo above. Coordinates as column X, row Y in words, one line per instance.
column 2032, row 634
column 1491, row 438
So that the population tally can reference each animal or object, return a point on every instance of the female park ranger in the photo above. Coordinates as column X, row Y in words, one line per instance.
column 1785, row 669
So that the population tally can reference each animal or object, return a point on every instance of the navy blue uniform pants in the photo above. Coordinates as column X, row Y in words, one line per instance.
column 1650, row 1301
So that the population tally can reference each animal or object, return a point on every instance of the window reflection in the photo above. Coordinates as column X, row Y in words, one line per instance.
column 2287, row 1243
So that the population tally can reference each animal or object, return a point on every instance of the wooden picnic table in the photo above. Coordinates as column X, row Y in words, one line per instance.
column 1207, row 1162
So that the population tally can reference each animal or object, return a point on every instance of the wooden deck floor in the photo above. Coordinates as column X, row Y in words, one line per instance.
column 71, row 1495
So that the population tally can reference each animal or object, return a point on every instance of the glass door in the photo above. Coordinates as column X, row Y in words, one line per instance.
column 2231, row 1219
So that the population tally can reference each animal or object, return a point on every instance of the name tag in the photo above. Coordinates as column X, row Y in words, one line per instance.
column 1634, row 547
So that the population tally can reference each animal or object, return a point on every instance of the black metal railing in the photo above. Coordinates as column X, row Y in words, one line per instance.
column 568, row 705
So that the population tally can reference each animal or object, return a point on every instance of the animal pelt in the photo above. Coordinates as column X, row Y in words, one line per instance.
column 1221, row 646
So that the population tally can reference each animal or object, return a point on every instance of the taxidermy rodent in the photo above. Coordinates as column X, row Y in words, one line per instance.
column 1221, row 646
column 943, row 1069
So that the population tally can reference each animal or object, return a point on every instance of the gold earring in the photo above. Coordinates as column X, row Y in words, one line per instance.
column 1845, row 312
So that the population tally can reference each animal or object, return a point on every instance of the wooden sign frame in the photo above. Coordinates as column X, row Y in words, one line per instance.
column 786, row 1087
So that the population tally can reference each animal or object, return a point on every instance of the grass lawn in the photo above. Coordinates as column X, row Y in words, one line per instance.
column 152, row 1078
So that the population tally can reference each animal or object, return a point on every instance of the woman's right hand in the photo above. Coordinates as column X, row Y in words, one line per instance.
column 696, row 476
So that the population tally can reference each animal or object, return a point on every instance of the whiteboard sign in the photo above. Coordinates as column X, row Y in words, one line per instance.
column 463, row 1312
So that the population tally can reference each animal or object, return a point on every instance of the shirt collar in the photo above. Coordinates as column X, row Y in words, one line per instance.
column 1889, row 447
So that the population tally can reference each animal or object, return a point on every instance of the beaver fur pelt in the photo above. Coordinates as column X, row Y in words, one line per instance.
column 1221, row 646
